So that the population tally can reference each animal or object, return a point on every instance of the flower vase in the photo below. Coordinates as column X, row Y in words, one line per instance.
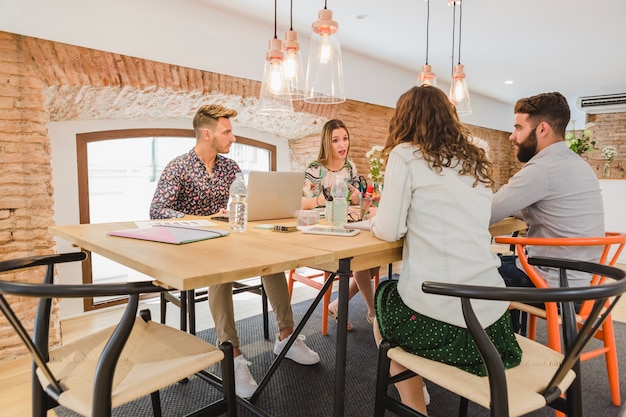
column 378, row 189
column 606, row 172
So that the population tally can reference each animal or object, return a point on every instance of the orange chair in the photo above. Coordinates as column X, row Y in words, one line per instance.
column 311, row 281
column 613, row 244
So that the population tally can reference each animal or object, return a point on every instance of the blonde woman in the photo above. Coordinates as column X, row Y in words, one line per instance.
column 333, row 161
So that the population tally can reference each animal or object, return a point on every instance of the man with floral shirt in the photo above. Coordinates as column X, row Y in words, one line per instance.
column 197, row 184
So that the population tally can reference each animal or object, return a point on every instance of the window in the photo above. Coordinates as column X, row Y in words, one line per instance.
column 118, row 172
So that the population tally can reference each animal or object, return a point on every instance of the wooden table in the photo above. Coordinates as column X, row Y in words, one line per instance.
column 507, row 226
column 244, row 255
column 354, row 253
column 254, row 252
column 194, row 265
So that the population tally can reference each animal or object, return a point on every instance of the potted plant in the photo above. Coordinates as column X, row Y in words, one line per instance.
column 581, row 144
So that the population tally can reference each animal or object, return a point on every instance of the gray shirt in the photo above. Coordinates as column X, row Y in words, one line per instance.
column 557, row 194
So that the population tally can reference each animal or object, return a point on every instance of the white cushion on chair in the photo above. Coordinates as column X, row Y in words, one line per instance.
column 524, row 382
column 154, row 357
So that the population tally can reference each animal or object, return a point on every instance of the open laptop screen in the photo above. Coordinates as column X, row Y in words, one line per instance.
column 274, row 195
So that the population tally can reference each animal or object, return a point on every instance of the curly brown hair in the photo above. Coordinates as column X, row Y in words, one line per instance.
column 425, row 117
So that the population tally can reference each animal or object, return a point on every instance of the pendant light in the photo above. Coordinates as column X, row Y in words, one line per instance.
column 273, row 99
column 292, row 65
column 459, row 94
column 427, row 76
column 324, row 75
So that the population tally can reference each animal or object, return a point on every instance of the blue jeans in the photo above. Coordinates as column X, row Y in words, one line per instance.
column 512, row 275
column 515, row 277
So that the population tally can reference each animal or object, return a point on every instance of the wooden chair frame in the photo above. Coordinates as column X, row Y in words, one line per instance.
column 613, row 244
column 45, row 398
column 186, row 302
column 311, row 281
column 605, row 297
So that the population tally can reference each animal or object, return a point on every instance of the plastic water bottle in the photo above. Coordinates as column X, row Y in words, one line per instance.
column 340, row 203
column 238, row 209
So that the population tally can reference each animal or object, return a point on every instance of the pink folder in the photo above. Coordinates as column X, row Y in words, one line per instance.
column 170, row 234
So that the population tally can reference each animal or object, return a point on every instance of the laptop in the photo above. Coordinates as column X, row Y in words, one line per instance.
column 274, row 195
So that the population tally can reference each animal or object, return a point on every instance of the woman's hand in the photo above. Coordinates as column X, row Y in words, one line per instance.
column 313, row 202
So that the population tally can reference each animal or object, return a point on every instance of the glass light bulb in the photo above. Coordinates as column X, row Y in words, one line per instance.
column 458, row 90
column 459, row 94
column 326, row 51
column 289, row 66
column 276, row 80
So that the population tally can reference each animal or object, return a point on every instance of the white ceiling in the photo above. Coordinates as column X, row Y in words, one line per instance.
column 572, row 46
column 575, row 47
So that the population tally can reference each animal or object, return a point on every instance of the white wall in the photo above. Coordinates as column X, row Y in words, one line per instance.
column 614, row 197
column 65, row 178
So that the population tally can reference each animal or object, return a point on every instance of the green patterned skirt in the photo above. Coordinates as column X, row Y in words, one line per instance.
column 437, row 340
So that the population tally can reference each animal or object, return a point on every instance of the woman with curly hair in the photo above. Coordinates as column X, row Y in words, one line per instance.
column 437, row 197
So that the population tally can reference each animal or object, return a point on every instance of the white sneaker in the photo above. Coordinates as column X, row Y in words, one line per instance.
column 426, row 396
column 245, row 385
column 298, row 352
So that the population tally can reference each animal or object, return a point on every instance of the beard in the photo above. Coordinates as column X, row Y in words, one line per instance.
column 528, row 148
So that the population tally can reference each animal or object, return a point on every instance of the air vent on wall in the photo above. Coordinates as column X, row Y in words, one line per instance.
column 609, row 103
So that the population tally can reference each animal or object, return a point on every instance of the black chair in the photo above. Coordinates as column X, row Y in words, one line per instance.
column 186, row 302
column 542, row 377
column 108, row 368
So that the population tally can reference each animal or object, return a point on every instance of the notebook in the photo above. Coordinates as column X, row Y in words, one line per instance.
column 274, row 195
column 170, row 234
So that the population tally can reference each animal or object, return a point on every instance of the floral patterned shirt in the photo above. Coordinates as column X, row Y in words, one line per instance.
column 317, row 174
column 185, row 187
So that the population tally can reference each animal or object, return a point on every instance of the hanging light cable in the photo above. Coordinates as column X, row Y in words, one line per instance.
column 459, row 94
column 427, row 76
column 273, row 98
column 453, row 4
column 324, row 75
column 292, row 65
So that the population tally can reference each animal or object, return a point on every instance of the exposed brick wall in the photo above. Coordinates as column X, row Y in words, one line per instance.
column 42, row 81
column 610, row 129
column 368, row 126
column 25, row 176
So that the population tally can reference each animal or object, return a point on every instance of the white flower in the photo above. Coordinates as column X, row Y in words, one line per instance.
column 375, row 149
column 583, row 144
column 376, row 173
column 609, row 152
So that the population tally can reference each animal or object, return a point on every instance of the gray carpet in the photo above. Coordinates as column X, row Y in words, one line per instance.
column 308, row 391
